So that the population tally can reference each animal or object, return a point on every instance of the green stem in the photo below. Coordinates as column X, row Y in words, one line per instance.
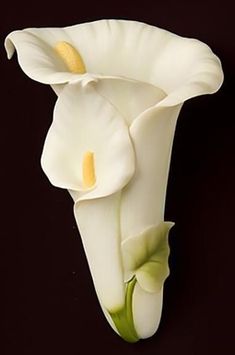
column 123, row 319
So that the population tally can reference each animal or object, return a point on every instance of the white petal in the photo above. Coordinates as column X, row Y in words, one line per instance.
column 143, row 200
column 147, row 308
column 149, row 54
column 37, row 57
column 198, row 84
column 130, row 97
column 98, row 222
column 85, row 121
column 122, row 48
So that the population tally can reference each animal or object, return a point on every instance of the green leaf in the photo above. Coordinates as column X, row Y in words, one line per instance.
column 146, row 257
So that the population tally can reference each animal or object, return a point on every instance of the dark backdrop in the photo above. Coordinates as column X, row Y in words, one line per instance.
column 49, row 305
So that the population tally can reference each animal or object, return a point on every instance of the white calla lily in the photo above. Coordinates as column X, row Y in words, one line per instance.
column 119, row 48
column 78, row 128
column 121, row 85
column 87, row 139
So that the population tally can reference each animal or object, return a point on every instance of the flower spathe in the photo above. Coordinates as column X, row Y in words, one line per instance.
column 120, row 85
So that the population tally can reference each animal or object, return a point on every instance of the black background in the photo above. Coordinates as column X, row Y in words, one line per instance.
column 49, row 305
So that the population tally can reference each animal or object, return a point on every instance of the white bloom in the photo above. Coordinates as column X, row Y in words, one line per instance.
column 110, row 145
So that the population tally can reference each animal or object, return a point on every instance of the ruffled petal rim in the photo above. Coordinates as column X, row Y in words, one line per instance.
column 181, row 67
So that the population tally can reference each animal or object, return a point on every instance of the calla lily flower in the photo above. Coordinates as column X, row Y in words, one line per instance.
column 120, row 85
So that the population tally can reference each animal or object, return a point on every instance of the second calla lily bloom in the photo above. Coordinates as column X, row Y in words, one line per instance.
column 121, row 85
